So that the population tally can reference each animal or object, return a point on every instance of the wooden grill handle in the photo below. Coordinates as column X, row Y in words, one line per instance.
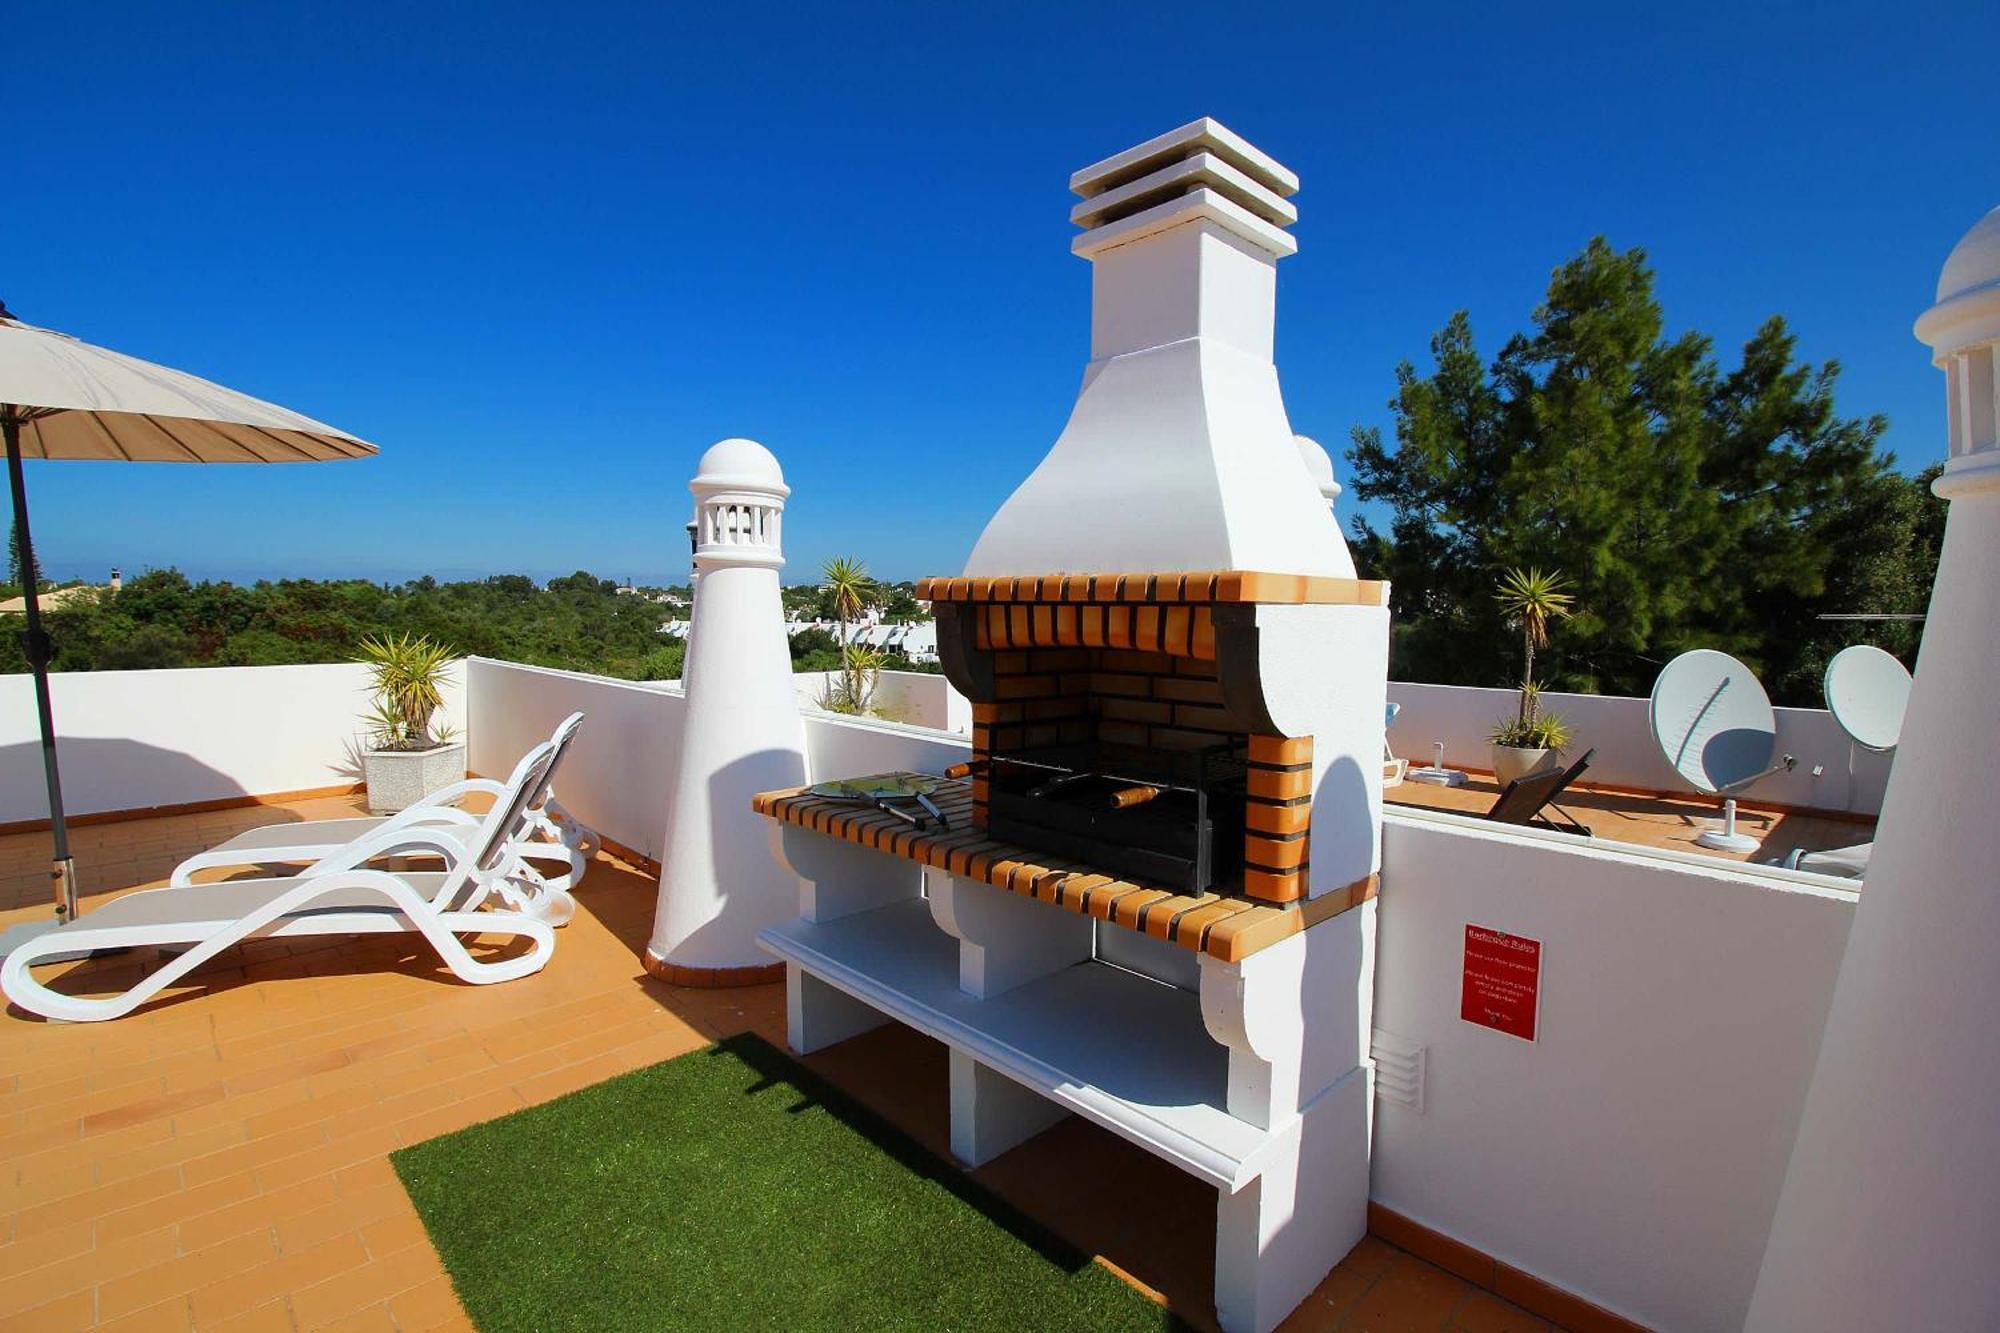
column 1127, row 797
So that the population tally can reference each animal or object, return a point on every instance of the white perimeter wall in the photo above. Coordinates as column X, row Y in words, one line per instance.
column 919, row 698
column 129, row 740
column 615, row 777
column 1634, row 1152
column 1461, row 716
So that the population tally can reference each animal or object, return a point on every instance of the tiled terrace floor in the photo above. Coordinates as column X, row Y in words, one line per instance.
column 1657, row 819
column 219, row 1159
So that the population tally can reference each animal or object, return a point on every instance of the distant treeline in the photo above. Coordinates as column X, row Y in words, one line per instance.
column 576, row 623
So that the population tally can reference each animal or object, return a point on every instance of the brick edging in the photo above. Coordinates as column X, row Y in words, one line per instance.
column 1482, row 1270
column 711, row 978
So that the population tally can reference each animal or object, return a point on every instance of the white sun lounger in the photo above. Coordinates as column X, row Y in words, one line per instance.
column 335, row 899
column 551, row 833
column 1393, row 769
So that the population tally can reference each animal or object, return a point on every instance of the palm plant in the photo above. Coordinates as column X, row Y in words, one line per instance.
column 408, row 673
column 852, row 590
column 1534, row 600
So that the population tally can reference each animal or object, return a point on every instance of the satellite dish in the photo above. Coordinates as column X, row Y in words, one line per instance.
column 1713, row 722
column 1867, row 691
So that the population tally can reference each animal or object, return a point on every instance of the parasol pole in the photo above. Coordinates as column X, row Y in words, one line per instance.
column 62, row 870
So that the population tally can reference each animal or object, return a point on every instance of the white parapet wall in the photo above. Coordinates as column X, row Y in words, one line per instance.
column 1633, row 1152
column 921, row 699
column 1616, row 727
column 615, row 777
column 136, row 740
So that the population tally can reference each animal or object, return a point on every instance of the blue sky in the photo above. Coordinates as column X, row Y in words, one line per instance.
column 545, row 255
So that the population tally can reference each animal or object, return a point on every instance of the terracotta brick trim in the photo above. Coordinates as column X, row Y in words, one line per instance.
column 1229, row 929
column 1502, row 1279
column 712, row 978
column 1236, row 585
column 631, row 856
column 185, row 808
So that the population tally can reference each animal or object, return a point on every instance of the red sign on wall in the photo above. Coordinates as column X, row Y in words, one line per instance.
column 1503, row 981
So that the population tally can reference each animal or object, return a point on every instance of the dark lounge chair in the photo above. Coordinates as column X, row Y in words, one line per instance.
column 1526, row 798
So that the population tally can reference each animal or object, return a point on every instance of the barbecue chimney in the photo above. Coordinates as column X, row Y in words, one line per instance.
column 1178, row 455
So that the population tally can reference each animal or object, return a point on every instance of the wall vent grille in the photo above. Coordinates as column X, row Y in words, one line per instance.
column 1399, row 1070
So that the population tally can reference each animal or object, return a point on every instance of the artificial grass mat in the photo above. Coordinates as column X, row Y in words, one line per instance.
column 731, row 1188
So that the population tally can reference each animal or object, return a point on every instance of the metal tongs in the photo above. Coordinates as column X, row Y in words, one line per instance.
column 891, row 793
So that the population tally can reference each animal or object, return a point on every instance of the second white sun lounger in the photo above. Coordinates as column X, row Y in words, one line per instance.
column 549, row 832
column 205, row 919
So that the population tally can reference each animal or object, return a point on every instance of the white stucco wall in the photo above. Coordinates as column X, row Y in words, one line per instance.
column 1634, row 1152
column 921, row 699
column 615, row 777
column 1461, row 716
column 131, row 740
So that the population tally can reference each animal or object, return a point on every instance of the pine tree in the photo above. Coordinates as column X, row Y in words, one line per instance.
column 1689, row 507
column 18, row 570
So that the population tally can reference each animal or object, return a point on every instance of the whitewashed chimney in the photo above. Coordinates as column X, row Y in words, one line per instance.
column 1890, row 1214
column 740, row 733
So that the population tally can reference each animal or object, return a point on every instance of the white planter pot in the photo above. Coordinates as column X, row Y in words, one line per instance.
column 1511, row 762
column 400, row 778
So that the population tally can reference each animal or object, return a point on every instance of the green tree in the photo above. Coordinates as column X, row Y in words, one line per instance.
column 1689, row 507
column 20, row 570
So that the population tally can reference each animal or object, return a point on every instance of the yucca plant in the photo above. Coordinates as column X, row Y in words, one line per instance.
column 408, row 673
column 1533, row 600
column 847, row 580
column 856, row 684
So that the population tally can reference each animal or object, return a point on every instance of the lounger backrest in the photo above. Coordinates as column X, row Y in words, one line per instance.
column 504, row 822
column 565, row 733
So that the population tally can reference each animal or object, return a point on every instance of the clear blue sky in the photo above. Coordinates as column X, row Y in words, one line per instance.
column 544, row 255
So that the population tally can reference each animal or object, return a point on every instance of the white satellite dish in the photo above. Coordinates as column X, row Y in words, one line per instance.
column 1867, row 691
column 1713, row 722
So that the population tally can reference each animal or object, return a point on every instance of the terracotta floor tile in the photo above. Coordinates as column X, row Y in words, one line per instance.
column 187, row 1273
column 260, row 1212
column 375, row 1317
column 273, row 1316
column 168, row 1316
column 1485, row 1313
column 376, row 1285
column 344, row 1215
column 395, row 1233
column 274, row 1279
column 427, row 1305
column 45, row 1247
column 1412, row 1295
column 65, row 1314
column 95, row 1202
column 175, row 1206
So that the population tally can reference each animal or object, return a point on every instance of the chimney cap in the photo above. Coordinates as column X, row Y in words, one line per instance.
column 740, row 464
column 1967, row 313
column 1206, row 134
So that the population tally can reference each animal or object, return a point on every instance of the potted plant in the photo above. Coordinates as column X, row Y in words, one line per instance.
column 407, row 759
column 1531, row 740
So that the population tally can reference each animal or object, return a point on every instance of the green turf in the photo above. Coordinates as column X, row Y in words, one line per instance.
column 733, row 1189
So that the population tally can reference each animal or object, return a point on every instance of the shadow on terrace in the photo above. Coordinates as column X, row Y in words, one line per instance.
column 224, row 1150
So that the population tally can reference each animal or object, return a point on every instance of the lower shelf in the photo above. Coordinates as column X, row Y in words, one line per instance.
column 1124, row 1051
